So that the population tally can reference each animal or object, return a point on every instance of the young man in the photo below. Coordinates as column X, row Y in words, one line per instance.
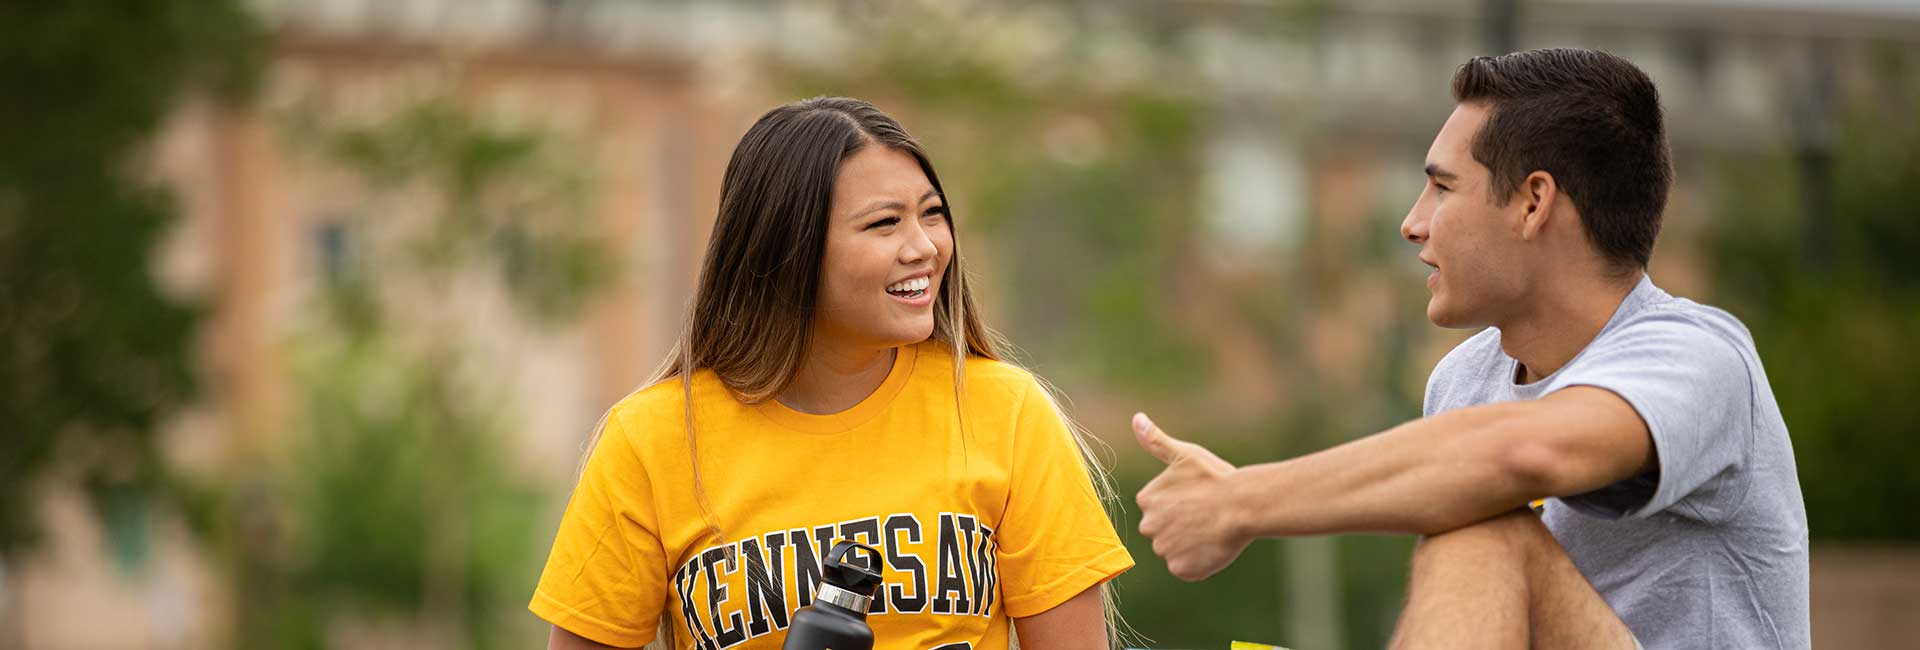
column 1673, row 515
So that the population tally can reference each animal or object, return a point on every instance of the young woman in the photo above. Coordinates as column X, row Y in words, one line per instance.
column 834, row 382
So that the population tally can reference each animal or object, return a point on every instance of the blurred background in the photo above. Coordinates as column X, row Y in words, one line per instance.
column 309, row 306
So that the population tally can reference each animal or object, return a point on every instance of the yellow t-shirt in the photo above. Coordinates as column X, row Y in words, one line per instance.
column 1002, row 522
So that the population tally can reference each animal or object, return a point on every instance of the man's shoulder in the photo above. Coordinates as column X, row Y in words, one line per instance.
column 1682, row 325
column 1686, row 314
column 1476, row 360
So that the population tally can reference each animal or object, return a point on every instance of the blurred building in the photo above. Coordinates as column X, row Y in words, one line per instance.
column 1316, row 136
column 261, row 226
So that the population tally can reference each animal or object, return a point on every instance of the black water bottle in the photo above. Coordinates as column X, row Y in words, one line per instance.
column 837, row 619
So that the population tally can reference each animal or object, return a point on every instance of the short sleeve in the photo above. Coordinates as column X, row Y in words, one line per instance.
column 606, row 577
column 1692, row 388
column 1055, row 540
column 1436, row 380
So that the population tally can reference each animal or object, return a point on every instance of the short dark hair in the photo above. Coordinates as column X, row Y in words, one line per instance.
column 1593, row 121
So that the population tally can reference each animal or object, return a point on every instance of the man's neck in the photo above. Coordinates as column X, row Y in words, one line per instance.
column 1560, row 322
column 834, row 378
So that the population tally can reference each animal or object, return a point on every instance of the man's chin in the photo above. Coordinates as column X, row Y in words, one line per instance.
column 1440, row 315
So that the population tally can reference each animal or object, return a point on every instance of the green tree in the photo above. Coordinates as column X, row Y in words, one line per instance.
column 94, row 354
column 1826, row 287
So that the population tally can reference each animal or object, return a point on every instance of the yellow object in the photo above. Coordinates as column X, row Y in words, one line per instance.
column 1000, row 522
column 1248, row 645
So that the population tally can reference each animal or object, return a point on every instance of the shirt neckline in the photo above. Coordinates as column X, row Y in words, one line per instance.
column 861, row 413
column 1643, row 294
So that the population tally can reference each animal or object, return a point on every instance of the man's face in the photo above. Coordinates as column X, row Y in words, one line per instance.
column 1472, row 244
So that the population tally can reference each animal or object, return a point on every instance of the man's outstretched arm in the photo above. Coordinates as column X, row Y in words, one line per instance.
column 1426, row 476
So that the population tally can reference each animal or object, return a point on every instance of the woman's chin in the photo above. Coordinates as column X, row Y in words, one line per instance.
column 909, row 334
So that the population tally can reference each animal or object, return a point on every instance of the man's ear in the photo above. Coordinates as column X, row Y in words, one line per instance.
column 1539, row 196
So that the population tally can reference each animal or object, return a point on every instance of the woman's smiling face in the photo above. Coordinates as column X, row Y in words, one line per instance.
column 888, row 244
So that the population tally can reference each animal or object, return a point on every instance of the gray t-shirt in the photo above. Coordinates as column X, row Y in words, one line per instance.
column 1709, row 550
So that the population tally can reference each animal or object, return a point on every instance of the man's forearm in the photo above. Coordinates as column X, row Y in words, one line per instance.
column 1426, row 476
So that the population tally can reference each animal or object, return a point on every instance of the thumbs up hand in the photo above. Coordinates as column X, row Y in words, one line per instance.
column 1186, row 509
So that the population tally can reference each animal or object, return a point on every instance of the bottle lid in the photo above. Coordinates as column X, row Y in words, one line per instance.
column 858, row 575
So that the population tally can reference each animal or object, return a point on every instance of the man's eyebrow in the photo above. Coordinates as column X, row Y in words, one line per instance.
column 1435, row 171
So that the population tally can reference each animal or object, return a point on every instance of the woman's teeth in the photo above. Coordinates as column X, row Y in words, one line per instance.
column 908, row 286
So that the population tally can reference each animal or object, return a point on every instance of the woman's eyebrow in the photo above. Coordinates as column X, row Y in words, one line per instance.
column 877, row 206
column 884, row 204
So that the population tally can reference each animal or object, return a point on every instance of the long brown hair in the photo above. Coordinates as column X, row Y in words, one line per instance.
column 752, row 312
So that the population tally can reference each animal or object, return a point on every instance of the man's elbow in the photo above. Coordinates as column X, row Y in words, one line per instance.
column 1535, row 469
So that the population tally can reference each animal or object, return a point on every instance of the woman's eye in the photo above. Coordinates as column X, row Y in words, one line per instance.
column 936, row 211
column 883, row 223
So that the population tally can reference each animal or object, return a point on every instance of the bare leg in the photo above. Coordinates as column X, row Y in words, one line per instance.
column 1503, row 583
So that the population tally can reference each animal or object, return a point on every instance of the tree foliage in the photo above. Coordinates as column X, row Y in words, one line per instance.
column 1826, row 289
column 94, row 354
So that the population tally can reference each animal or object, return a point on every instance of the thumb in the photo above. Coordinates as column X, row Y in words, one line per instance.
column 1154, row 440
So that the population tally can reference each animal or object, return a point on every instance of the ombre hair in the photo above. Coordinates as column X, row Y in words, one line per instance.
column 753, row 310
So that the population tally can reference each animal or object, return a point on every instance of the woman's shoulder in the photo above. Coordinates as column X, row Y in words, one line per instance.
column 663, row 404
column 989, row 378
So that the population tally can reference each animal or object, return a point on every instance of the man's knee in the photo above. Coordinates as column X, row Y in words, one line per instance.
column 1517, row 535
column 1513, row 559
